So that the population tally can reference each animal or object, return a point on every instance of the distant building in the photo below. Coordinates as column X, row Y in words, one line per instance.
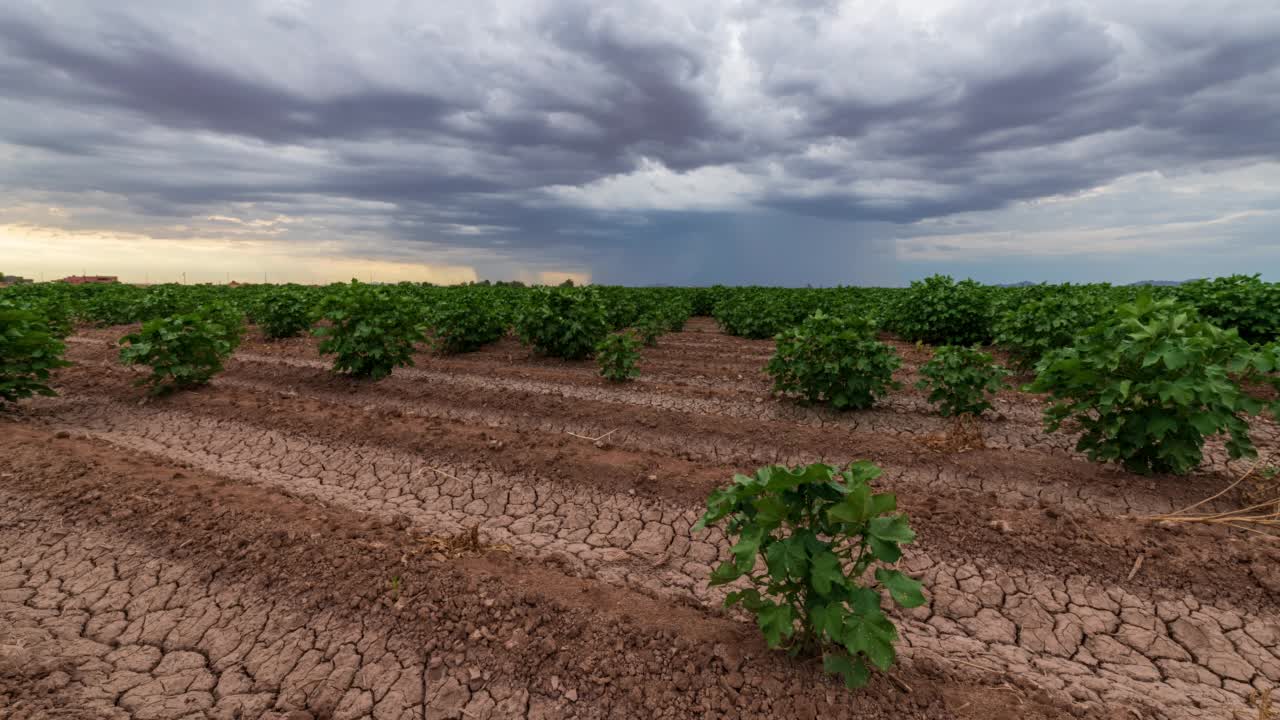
column 88, row 279
column 7, row 280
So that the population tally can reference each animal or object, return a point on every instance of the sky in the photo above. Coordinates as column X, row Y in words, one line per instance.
column 781, row 142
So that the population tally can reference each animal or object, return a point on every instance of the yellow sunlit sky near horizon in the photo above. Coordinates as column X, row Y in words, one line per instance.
column 49, row 254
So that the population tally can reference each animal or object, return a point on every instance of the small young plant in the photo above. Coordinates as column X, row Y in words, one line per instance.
column 28, row 351
column 183, row 351
column 617, row 356
column 650, row 328
column 834, row 360
column 371, row 331
column 961, row 380
column 818, row 530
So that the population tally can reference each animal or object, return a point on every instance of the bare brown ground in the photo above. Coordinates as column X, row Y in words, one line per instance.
column 1044, row 601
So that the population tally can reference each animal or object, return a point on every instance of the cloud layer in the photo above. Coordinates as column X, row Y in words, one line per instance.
column 690, row 141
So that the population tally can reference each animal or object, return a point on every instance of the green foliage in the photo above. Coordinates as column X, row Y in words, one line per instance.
column 371, row 330
column 759, row 314
column 465, row 321
column 28, row 351
column 1036, row 326
column 163, row 301
column 617, row 355
column 183, row 351
column 835, row 360
column 673, row 314
column 704, row 300
column 960, row 379
column 1243, row 302
column 818, row 530
column 650, row 328
column 108, row 304
column 563, row 322
column 285, row 313
column 940, row 311
column 1149, row 384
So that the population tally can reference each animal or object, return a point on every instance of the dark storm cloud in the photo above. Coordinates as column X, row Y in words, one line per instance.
column 504, row 129
column 144, row 74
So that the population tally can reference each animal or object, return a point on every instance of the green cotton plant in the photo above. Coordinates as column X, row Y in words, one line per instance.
column 1036, row 326
column 370, row 330
column 617, row 356
column 1147, row 385
column 674, row 314
column 284, row 313
column 28, row 352
column 804, row 539
column 563, row 322
column 110, row 304
column 1243, row 302
column 940, row 311
column 960, row 380
column 760, row 313
column 183, row 351
column 465, row 322
column 835, row 360
column 650, row 328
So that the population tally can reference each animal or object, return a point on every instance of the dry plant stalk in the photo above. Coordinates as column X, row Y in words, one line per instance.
column 1262, row 701
column 964, row 434
column 1265, row 711
column 467, row 542
column 1262, row 518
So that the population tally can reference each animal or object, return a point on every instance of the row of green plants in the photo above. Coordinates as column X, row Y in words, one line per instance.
column 187, row 333
column 1028, row 322
column 1144, row 376
column 1144, row 386
column 1144, row 381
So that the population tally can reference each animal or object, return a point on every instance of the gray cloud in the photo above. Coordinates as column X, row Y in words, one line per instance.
column 532, row 133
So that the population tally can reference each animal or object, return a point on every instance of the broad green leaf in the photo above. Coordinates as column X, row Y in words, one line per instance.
column 747, row 547
column 886, row 551
column 894, row 528
column 776, row 622
column 854, row 672
column 725, row 573
column 854, row 508
column 828, row 619
column 872, row 635
column 903, row 589
column 883, row 503
column 826, row 573
column 787, row 558
column 770, row 510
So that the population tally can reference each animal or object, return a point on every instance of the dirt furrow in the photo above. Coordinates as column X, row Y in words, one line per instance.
column 668, row 444
column 129, row 590
column 1154, row 644
column 1014, row 424
column 1017, row 427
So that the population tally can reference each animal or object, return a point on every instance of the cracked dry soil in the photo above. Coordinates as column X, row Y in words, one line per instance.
column 264, row 548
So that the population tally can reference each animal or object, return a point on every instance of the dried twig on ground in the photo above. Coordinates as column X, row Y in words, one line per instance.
column 592, row 439
column 964, row 434
column 1262, row 518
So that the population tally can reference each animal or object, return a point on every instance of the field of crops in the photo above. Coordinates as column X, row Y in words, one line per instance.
column 493, row 501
